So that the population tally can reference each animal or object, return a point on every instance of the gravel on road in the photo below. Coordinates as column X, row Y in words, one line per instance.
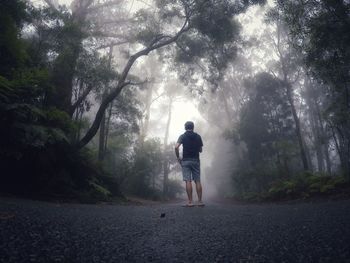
column 35, row 231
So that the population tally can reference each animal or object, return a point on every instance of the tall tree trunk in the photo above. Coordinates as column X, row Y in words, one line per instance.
column 318, row 143
column 290, row 99
column 165, row 155
column 289, row 93
column 316, row 125
column 145, row 124
column 62, row 78
column 342, row 146
column 78, row 112
column 297, row 127
column 343, row 151
column 101, row 144
column 80, row 119
column 108, row 125
column 226, row 107
column 346, row 130
column 327, row 158
column 324, row 137
column 104, row 129
column 64, row 65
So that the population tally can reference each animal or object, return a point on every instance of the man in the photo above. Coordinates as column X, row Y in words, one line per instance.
column 192, row 146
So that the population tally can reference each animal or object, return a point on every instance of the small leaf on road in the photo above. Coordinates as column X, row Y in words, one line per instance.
column 5, row 216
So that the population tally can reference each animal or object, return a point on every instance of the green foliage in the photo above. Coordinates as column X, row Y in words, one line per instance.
column 306, row 185
column 301, row 186
column 174, row 188
column 117, row 164
column 147, row 165
column 214, row 20
column 35, row 152
column 149, row 27
column 321, row 32
column 99, row 192
column 95, row 71
column 266, row 124
column 13, row 15
column 211, row 39
column 247, row 180
column 26, row 123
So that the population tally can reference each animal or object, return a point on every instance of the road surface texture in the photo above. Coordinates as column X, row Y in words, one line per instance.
column 33, row 231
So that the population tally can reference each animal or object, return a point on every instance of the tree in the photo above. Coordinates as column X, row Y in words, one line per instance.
column 147, row 166
column 13, row 15
column 320, row 31
column 266, row 121
column 199, row 18
column 287, row 69
column 321, row 136
column 152, row 71
column 266, row 127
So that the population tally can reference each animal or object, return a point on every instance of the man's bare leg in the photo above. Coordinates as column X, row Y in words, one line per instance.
column 189, row 191
column 199, row 191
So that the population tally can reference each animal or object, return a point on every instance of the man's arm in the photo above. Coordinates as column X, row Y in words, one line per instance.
column 200, row 144
column 177, row 146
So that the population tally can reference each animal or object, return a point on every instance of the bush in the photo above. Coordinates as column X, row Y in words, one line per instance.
column 174, row 188
column 146, row 168
column 306, row 185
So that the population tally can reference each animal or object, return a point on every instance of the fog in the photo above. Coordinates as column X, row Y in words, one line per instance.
column 95, row 94
column 136, row 71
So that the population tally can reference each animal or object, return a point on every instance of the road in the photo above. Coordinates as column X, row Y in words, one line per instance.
column 34, row 231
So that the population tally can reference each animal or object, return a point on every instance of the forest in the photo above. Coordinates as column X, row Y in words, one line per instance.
column 90, row 91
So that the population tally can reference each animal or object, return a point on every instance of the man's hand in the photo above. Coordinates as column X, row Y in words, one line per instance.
column 177, row 146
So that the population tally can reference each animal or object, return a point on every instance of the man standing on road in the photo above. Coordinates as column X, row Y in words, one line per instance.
column 192, row 145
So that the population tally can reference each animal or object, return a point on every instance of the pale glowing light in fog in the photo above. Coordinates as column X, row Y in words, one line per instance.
column 183, row 111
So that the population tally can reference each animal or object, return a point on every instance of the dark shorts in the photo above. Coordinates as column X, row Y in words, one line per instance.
column 191, row 170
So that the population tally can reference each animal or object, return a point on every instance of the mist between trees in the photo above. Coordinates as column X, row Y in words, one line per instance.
column 87, row 95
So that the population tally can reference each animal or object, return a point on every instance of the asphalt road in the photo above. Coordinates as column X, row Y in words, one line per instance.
column 33, row 231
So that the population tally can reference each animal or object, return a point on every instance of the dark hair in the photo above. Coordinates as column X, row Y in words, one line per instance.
column 189, row 125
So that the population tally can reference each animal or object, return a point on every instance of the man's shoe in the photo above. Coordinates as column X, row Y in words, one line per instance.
column 188, row 205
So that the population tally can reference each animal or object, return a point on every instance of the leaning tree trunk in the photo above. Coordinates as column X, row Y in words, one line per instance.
column 156, row 44
column 104, row 128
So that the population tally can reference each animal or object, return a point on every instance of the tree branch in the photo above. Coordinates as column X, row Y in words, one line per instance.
column 122, row 82
column 99, row 115
column 111, row 35
column 52, row 4
column 113, row 21
column 107, row 4
column 139, row 83
column 113, row 44
column 80, row 100
column 189, row 55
